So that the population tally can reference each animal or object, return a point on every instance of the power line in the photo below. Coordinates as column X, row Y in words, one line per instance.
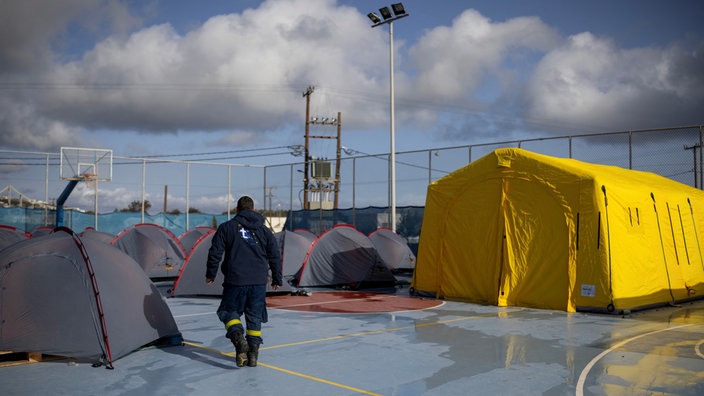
column 211, row 152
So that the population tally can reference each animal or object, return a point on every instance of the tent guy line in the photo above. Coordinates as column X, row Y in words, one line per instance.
column 588, row 367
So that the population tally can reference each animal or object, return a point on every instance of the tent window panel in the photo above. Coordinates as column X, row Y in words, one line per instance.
column 630, row 216
column 634, row 216
column 672, row 230
column 684, row 234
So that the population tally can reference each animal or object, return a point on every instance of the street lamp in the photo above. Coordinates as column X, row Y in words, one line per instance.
column 398, row 12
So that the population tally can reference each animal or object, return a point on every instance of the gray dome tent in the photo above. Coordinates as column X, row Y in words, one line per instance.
column 154, row 248
column 191, row 277
column 343, row 256
column 189, row 238
column 393, row 249
column 80, row 298
column 92, row 233
column 294, row 250
column 10, row 235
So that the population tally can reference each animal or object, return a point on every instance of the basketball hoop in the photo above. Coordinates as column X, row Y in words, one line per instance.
column 90, row 179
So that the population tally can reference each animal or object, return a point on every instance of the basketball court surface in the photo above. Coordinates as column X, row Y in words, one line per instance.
column 384, row 342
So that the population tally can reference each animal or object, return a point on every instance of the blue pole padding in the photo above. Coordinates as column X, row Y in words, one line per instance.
column 60, row 202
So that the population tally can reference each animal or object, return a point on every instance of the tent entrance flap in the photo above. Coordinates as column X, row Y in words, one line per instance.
column 537, row 234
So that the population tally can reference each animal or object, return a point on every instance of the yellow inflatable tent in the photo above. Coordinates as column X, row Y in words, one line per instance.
column 516, row 228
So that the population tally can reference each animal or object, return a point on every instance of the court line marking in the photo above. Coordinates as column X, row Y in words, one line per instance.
column 381, row 331
column 698, row 349
column 306, row 376
column 195, row 314
column 338, row 301
column 583, row 375
column 231, row 354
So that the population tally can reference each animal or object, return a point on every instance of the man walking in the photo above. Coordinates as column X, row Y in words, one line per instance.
column 250, row 251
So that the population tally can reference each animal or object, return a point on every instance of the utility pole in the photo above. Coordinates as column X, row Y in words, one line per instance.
column 330, row 121
column 337, row 159
column 306, row 167
column 306, row 154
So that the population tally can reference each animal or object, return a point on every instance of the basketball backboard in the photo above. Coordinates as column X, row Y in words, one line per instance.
column 86, row 164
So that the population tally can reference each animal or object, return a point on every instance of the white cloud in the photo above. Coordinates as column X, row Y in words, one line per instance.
column 245, row 72
column 590, row 83
column 237, row 71
column 451, row 62
column 22, row 127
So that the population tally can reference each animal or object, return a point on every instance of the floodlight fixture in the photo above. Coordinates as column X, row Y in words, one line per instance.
column 398, row 9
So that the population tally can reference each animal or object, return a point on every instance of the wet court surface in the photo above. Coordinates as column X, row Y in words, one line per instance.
column 352, row 343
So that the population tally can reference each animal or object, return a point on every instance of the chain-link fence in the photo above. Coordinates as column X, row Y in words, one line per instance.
column 187, row 188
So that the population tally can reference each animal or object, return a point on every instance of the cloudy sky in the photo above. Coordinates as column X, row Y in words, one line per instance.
column 154, row 77
column 185, row 78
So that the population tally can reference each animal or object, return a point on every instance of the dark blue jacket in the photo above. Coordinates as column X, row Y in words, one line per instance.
column 250, row 251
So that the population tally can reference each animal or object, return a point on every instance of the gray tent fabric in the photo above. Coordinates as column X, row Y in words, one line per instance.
column 154, row 248
column 189, row 238
column 98, row 235
column 64, row 295
column 10, row 235
column 294, row 250
column 191, row 278
column 41, row 231
column 309, row 235
column 343, row 256
column 393, row 249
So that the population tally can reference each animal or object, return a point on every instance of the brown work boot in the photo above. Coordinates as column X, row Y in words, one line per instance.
column 241, row 348
column 252, row 355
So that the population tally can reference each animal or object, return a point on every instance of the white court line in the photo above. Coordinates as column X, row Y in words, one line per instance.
column 698, row 349
column 197, row 314
column 588, row 367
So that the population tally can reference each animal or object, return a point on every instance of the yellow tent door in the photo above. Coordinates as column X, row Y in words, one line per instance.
column 535, row 269
column 470, row 241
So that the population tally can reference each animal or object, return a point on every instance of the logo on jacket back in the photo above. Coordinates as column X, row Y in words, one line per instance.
column 247, row 237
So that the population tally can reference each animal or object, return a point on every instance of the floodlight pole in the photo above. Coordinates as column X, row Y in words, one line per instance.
column 392, row 126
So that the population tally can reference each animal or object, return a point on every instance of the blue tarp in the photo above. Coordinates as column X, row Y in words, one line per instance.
column 28, row 219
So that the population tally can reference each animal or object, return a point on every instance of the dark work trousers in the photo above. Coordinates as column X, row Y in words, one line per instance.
column 247, row 300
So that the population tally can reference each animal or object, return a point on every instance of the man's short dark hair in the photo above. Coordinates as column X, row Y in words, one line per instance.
column 245, row 203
